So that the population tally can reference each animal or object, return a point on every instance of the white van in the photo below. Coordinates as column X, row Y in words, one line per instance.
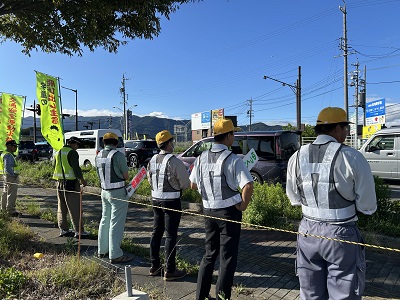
column 92, row 143
column 382, row 151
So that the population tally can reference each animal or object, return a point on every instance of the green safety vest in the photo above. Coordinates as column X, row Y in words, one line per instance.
column 16, row 167
column 62, row 164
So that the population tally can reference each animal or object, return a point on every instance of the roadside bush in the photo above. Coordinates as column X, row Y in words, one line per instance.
column 270, row 206
column 386, row 219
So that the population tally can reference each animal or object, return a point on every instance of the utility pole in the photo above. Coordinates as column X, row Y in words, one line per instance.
column 122, row 90
column 250, row 112
column 298, row 100
column 355, row 82
column 345, row 53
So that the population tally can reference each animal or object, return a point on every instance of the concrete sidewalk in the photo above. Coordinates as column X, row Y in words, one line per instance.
column 266, row 258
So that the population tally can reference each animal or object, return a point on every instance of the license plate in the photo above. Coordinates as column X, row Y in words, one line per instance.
column 24, row 151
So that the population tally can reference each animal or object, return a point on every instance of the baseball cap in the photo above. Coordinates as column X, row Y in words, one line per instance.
column 11, row 143
column 110, row 135
column 74, row 139
column 224, row 126
column 332, row 115
column 163, row 136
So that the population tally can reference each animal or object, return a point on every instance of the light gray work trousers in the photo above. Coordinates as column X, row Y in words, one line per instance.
column 9, row 196
column 330, row 269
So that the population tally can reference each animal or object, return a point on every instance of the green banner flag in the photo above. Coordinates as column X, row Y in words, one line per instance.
column 10, row 118
column 50, row 118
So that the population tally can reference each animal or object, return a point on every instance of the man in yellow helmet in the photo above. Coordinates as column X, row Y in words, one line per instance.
column 331, row 182
column 113, row 172
column 68, row 174
column 10, row 171
column 168, row 177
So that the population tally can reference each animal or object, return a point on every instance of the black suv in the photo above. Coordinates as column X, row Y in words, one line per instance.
column 139, row 152
column 45, row 151
column 27, row 151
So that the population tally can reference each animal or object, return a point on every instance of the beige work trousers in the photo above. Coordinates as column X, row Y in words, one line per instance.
column 9, row 196
column 68, row 202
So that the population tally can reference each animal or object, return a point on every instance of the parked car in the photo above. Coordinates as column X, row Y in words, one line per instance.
column 92, row 143
column 44, row 150
column 139, row 152
column 27, row 151
column 382, row 152
column 273, row 148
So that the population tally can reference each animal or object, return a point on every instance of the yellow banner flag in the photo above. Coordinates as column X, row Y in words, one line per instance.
column 10, row 118
column 50, row 118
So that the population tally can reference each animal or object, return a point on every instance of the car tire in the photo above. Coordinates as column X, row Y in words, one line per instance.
column 133, row 161
column 256, row 177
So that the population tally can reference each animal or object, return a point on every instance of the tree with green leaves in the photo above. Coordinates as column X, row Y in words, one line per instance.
column 68, row 26
column 308, row 130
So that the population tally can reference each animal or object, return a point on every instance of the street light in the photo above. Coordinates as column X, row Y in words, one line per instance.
column 297, row 90
column 76, row 105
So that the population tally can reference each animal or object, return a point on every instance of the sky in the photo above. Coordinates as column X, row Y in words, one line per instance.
column 215, row 53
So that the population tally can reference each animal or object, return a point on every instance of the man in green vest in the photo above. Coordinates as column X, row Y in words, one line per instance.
column 10, row 171
column 68, row 174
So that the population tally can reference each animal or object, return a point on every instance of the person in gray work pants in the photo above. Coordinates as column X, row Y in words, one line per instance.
column 332, row 182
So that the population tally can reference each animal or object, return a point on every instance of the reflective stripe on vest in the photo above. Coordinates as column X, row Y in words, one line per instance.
column 63, row 164
column 320, row 199
column 16, row 167
column 105, row 172
column 161, row 189
column 214, row 188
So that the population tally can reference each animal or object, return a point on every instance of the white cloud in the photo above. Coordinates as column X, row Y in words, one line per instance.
column 157, row 114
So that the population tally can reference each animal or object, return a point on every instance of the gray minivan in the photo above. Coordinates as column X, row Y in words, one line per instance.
column 273, row 149
column 382, row 151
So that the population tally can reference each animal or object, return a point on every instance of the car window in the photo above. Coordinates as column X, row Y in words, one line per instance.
column 382, row 143
column 88, row 143
column 201, row 146
column 238, row 147
column 149, row 144
column 128, row 144
column 263, row 145
column 26, row 145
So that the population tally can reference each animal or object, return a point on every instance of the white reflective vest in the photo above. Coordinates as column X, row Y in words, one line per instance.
column 160, row 187
column 213, row 186
column 320, row 199
column 108, row 178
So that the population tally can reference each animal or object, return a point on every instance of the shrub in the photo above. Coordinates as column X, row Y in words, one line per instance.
column 269, row 206
column 11, row 280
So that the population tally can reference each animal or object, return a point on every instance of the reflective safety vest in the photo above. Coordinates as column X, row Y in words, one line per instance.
column 160, row 186
column 108, row 178
column 16, row 166
column 319, row 197
column 213, row 186
column 62, row 164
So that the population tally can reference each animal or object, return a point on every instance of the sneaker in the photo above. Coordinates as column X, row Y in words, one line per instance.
column 84, row 235
column 122, row 259
column 66, row 233
column 155, row 271
column 174, row 275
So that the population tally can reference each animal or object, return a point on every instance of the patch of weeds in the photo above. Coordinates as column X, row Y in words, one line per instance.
column 11, row 280
column 49, row 215
column 184, row 264
column 240, row 289
column 129, row 246
column 77, row 279
column 70, row 245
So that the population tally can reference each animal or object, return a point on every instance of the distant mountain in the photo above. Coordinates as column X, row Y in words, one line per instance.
column 142, row 125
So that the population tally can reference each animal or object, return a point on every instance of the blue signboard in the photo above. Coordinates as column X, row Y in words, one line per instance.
column 205, row 117
column 375, row 108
